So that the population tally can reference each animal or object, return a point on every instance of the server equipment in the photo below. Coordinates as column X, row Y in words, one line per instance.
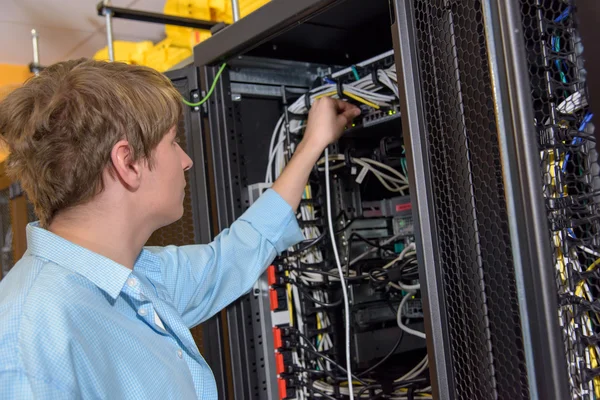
column 451, row 235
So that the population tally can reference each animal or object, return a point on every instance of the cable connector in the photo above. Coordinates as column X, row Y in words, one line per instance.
column 283, row 341
column 278, row 299
column 289, row 331
column 285, row 389
column 271, row 275
column 277, row 338
column 288, row 362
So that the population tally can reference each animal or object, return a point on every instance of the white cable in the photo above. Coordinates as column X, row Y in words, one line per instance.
column 400, row 285
column 415, row 371
column 590, row 251
column 400, row 256
column 399, row 318
column 407, row 288
column 342, row 280
column 573, row 103
column 364, row 88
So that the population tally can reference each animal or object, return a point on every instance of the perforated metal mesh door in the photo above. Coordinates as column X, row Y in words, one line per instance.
column 486, row 349
column 571, row 184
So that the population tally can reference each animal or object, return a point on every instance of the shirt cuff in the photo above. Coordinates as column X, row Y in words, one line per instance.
column 274, row 219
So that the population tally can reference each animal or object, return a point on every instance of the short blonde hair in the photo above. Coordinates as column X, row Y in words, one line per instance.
column 62, row 125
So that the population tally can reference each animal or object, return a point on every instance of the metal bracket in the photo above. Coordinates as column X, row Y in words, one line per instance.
column 34, row 66
column 195, row 97
column 145, row 16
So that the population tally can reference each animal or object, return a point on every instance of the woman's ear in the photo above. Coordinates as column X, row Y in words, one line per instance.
column 126, row 169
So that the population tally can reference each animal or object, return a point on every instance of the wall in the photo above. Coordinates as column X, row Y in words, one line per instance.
column 13, row 74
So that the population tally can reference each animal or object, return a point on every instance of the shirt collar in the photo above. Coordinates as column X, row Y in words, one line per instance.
column 103, row 272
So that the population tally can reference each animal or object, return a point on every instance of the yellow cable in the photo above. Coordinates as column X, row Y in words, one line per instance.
column 345, row 383
column 328, row 94
column 289, row 299
column 350, row 95
column 579, row 290
column 594, row 364
column 320, row 337
column 360, row 99
column 560, row 259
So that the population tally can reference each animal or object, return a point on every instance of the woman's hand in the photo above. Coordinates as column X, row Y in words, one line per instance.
column 326, row 121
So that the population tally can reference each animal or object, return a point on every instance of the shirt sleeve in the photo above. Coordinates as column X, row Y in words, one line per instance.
column 15, row 384
column 203, row 279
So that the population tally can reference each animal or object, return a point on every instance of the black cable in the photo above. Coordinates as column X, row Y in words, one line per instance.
column 384, row 359
column 312, row 243
column 351, row 278
column 331, row 361
column 369, row 242
column 379, row 278
column 319, row 302
column 401, row 384
column 367, row 388
column 317, row 391
column 319, row 238
column 307, row 340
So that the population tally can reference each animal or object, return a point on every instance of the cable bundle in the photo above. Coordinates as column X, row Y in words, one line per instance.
column 363, row 90
column 396, row 182
column 311, row 281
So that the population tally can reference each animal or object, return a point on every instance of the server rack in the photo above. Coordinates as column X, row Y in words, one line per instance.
column 467, row 78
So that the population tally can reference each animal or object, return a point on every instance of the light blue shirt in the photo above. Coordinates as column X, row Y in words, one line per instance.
column 74, row 324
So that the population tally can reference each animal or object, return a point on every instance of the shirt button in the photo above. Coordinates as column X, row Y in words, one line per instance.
column 179, row 353
column 143, row 312
column 131, row 282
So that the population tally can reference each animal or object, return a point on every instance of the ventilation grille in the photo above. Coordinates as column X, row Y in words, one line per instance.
column 468, row 196
column 570, row 180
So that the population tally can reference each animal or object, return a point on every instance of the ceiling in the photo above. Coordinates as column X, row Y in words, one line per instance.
column 67, row 28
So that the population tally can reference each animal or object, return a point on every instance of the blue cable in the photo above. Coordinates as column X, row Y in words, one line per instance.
column 577, row 140
column 563, row 15
column 586, row 120
column 327, row 80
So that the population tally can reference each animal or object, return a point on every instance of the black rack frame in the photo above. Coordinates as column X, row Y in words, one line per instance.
column 187, row 81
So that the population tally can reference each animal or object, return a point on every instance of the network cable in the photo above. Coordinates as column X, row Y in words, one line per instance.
column 309, row 279
column 210, row 91
column 339, row 265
